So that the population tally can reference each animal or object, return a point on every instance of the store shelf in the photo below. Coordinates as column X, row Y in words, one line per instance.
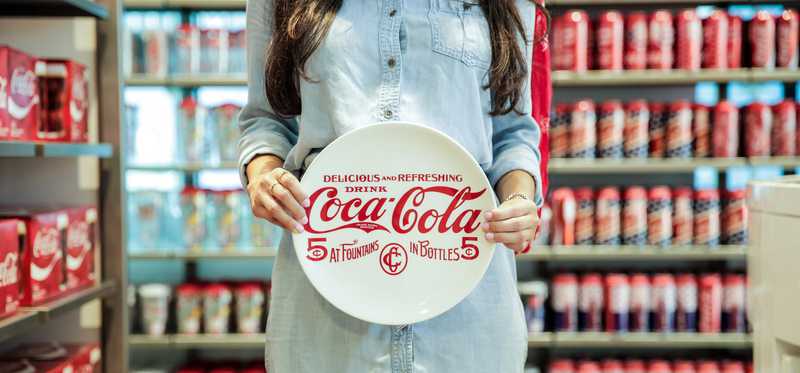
column 194, row 167
column 784, row 75
column 186, row 4
column 786, row 162
column 606, row 166
column 201, row 341
column 645, row 77
column 268, row 253
column 620, row 253
column 648, row 340
column 187, row 81
column 30, row 149
column 53, row 8
column 620, row 3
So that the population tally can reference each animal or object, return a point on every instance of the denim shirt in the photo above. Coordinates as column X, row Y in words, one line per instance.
column 423, row 61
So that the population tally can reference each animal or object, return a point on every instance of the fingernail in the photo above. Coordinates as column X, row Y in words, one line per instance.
column 306, row 202
column 298, row 228
column 304, row 221
column 490, row 236
column 488, row 214
column 485, row 226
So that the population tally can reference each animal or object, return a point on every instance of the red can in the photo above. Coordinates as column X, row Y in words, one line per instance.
column 710, row 303
column 612, row 366
column 725, row 133
column 686, row 315
column 571, row 41
column 635, row 366
column 733, row 303
column 679, row 130
column 607, row 217
column 565, row 302
column 634, row 216
column 564, row 211
column 734, row 218
column 617, row 296
column 660, row 40
column 784, row 129
column 762, row 40
column 683, row 366
column 640, row 298
column 787, row 32
column 657, row 129
column 706, row 217
column 682, row 217
column 635, row 135
column 562, row 366
column 707, row 366
column 701, row 131
column 715, row 40
column 659, row 366
column 734, row 41
column 588, row 366
column 636, row 41
column 659, row 216
column 690, row 40
column 583, row 130
column 559, row 131
column 758, row 129
column 610, row 40
column 610, row 126
column 584, row 219
column 664, row 303
column 590, row 303
column 731, row 366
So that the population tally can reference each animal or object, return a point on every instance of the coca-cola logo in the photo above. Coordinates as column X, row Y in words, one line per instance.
column 46, row 243
column 23, row 86
column 78, row 236
column 8, row 270
column 393, row 259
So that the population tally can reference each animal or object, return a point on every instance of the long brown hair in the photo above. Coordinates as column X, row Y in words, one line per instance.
column 301, row 25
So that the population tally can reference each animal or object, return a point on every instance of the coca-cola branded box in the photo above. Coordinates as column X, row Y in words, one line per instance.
column 86, row 358
column 53, row 357
column 63, row 96
column 81, row 247
column 19, row 109
column 10, row 252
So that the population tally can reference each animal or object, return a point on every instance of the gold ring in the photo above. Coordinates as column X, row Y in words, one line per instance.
column 272, row 187
column 283, row 173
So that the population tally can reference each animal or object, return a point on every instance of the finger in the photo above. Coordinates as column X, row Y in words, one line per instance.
column 290, row 182
column 290, row 205
column 507, row 212
column 276, row 212
column 510, row 237
column 509, row 225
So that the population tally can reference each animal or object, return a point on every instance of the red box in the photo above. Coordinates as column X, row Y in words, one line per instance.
column 43, row 357
column 86, row 358
column 81, row 247
column 19, row 95
column 10, row 253
column 63, row 96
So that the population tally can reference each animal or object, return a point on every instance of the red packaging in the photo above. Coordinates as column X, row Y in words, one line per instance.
column 660, row 40
column 217, row 299
column 81, row 247
column 588, row 366
column 690, row 40
column 559, row 131
column 686, row 314
column 734, row 218
column 734, row 42
column 635, row 135
column 725, row 132
column 562, row 366
column 715, row 40
column 635, row 366
column 223, row 370
column 664, row 303
column 682, row 217
column 679, row 130
column 784, row 129
column 701, row 131
column 710, row 303
column 187, row 49
column 86, row 358
column 733, row 304
column 565, row 302
column 249, row 307
column 610, row 126
column 636, row 41
column 237, row 55
column 63, row 96
column 610, row 39
column 788, row 39
column 659, row 216
column 617, row 297
column 571, row 41
column 214, row 51
column 583, row 130
column 255, row 369
column 731, row 366
column 659, row 366
column 683, row 366
column 634, row 216
column 584, row 219
column 706, row 217
column 19, row 111
column 607, row 217
column 156, row 59
column 564, row 216
column 612, row 366
column 707, row 366
column 49, row 357
column 640, row 303
column 590, row 303
column 10, row 253
column 762, row 40
column 657, row 129
column 189, row 308
column 758, row 129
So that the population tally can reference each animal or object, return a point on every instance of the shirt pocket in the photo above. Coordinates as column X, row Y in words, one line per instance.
column 459, row 30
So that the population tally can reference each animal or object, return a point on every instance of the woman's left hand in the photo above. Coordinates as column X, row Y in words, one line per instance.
column 514, row 223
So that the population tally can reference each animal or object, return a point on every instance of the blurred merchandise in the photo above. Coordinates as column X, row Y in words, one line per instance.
column 154, row 308
column 534, row 294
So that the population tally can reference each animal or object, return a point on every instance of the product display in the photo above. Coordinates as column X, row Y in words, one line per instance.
column 634, row 365
column 52, row 357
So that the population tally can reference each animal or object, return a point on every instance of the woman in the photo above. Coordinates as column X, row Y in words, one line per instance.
column 320, row 68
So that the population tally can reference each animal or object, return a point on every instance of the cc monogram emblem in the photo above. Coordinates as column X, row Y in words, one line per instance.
column 393, row 259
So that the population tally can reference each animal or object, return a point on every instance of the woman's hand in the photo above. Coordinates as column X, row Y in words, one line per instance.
column 514, row 223
column 276, row 194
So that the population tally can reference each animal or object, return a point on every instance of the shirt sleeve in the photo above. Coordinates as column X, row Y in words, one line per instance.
column 261, row 130
column 516, row 136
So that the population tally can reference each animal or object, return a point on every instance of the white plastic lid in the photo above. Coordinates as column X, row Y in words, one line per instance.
column 154, row 291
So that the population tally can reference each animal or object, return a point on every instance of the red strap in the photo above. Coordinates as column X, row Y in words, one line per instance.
column 542, row 89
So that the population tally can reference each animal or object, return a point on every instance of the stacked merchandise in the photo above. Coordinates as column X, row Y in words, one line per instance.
column 212, row 367
column 663, row 41
column 641, row 129
column 213, row 308
column 42, row 99
column 45, row 255
column 52, row 358
column 650, row 366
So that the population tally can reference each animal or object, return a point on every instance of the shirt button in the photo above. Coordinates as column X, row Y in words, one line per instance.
column 393, row 12
column 392, row 62
column 387, row 114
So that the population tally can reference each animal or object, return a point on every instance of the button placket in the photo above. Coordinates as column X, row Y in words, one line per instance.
column 389, row 91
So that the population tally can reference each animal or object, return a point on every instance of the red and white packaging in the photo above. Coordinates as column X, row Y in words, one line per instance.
column 679, row 130
column 559, row 131
column 734, row 218
column 657, row 130
column 610, row 127
column 214, row 51
column 590, row 303
column 690, row 40
column 686, row 314
column 571, row 41
column 762, row 40
column 565, row 302
column 82, row 238
column 725, row 131
column 636, row 41
column 562, row 366
column 634, row 216
column 640, row 306
column 733, row 303
column 732, row 366
column 707, row 366
column 156, row 49
column 52, row 357
column 661, row 39
column 635, row 136
column 788, row 35
column 64, row 102
column 710, row 303
column 617, row 297
column 85, row 358
column 189, row 307
column 607, row 217
column 659, row 216
column 584, row 218
column 10, row 253
column 715, row 40
column 19, row 95
column 237, row 55
column 249, row 307
column 588, row 366
column 217, row 299
column 610, row 40
column 682, row 217
column 706, row 217
column 663, row 303
column 564, row 215
column 734, row 41
column 758, row 130
column 683, row 366
column 187, row 49
column 659, row 366
column 701, row 131
column 635, row 366
column 784, row 129
column 612, row 366
column 583, row 130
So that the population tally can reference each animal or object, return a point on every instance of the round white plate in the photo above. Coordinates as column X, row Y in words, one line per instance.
column 383, row 258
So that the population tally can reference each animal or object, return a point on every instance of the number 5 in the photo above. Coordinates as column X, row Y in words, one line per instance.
column 316, row 252
column 471, row 250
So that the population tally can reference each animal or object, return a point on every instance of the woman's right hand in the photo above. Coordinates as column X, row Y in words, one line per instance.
column 276, row 194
